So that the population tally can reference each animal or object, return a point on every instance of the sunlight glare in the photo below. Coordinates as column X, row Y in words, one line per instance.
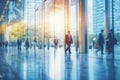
column 56, row 23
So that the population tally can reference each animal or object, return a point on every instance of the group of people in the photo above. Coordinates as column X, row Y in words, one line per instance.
column 4, row 44
column 18, row 43
column 110, row 42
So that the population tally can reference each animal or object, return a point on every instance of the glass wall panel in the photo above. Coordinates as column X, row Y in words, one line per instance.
column 96, row 21
column 116, row 15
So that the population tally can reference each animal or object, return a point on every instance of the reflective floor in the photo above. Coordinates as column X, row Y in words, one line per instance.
column 37, row 64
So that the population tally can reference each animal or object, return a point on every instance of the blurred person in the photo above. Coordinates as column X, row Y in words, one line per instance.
column 19, row 43
column 0, row 44
column 6, row 43
column 100, row 41
column 68, row 42
column 110, row 42
column 27, row 45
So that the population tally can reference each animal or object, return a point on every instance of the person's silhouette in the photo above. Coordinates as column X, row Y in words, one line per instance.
column 68, row 42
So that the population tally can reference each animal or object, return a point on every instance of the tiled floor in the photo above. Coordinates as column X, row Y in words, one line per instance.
column 38, row 64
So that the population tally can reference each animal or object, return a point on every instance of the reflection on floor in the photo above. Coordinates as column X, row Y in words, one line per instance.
column 38, row 64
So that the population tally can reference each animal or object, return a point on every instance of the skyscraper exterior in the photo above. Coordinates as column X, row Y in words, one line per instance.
column 98, row 15
column 116, row 7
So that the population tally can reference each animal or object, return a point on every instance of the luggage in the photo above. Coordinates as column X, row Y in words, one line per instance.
column 90, row 46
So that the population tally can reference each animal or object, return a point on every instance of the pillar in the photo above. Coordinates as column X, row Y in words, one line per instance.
column 43, row 24
column 113, row 15
column 82, row 34
column 66, row 15
column 107, row 17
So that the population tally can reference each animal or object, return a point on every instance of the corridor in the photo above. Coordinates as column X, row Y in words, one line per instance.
column 34, row 33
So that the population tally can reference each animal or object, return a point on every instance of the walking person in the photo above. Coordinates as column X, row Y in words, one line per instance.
column 101, row 42
column 68, row 42
column 27, row 44
column 56, row 42
column 19, row 43
column 110, row 42
column 6, row 43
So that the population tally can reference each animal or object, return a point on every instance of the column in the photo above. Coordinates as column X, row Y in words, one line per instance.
column 35, row 37
column 82, row 34
column 107, row 17
column 113, row 15
column 77, row 25
column 43, row 24
column 66, row 15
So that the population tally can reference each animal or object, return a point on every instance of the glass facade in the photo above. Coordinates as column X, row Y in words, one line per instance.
column 116, row 7
column 32, row 15
column 111, row 9
column 116, row 14
column 14, row 17
column 98, row 15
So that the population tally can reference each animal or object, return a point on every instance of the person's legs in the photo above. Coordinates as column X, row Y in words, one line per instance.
column 97, row 50
column 66, row 49
column 69, row 49
column 101, row 49
column 112, row 50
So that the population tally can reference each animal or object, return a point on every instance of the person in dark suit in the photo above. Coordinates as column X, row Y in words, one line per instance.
column 19, row 43
column 110, row 42
column 27, row 44
column 101, row 42
column 68, row 42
